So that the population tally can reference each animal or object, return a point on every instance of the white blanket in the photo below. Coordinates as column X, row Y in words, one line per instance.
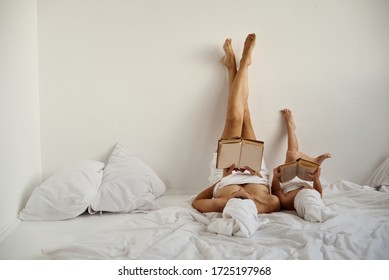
column 360, row 230
column 240, row 218
column 310, row 206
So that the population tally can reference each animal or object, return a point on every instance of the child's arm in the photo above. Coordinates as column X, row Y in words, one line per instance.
column 275, row 185
column 276, row 188
column 316, row 181
column 287, row 201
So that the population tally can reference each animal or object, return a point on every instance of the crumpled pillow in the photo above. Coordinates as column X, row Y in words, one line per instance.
column 66, row 194
column 128, row 184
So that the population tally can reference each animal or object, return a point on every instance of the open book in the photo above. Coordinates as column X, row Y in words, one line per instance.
column 300, row 168
column 241, row 152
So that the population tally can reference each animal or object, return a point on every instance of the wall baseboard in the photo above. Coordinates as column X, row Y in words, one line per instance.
column 4, row 231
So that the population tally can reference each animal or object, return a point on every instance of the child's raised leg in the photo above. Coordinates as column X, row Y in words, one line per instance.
column 293, row 153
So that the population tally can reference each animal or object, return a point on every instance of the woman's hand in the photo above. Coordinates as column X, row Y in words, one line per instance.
column 228, row 171
column 252, row 172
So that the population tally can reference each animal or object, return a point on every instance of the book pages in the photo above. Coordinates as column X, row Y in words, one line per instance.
column 289, row 171
column 300, row 168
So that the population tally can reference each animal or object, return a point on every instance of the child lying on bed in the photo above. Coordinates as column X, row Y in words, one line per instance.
column 303, row 196
column 237, row 183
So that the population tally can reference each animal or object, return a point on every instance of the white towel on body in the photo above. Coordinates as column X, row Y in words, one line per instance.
column 239, row 178
column 295, row 183
column 239, row 218
column 310, row 206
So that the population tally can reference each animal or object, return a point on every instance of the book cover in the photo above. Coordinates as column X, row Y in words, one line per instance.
column 241, row 152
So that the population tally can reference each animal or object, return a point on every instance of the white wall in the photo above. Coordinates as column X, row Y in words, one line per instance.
column 147, row 73
column 20, row 166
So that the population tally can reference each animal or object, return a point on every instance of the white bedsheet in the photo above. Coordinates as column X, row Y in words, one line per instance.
column 359, row 231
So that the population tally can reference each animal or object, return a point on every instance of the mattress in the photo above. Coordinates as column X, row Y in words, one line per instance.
column 359, row 231
column 27, row 240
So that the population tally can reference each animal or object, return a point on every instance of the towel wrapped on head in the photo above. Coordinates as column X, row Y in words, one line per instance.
column 310, row 206
column 239, row 218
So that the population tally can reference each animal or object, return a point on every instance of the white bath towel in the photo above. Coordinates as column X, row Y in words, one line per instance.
column 310, row 206
column 239, row 218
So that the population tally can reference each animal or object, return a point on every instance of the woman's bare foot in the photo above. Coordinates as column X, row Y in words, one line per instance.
column 289, row 118
column 229, row 58
column 322, row 157
column 248, row 48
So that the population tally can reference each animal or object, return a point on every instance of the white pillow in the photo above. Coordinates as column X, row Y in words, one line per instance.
column 128, row 184
column 65, row 194
column 380, row 176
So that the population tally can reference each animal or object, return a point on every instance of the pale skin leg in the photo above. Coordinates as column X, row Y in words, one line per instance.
column 238, row 87
column 238, row 121
column 293, row 152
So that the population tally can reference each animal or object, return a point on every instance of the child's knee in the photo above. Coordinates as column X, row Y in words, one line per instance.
column 292, row 156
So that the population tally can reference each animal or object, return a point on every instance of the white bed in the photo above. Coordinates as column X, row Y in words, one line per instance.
column 162, row 224
column 28, row 238
column 360, row 230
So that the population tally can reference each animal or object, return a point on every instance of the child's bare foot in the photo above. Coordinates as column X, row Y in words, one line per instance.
column 322, row 157
column 289, row 118
column 229, row 58
column 248, row 48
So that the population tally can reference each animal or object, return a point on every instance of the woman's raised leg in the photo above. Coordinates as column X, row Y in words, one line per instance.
column 238, row 87
column 247, row 127
column 229, row 62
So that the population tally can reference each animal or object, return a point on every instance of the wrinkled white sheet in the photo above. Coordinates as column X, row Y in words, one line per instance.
column 360, row 230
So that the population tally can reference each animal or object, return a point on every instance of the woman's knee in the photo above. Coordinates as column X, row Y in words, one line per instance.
column 234, row 118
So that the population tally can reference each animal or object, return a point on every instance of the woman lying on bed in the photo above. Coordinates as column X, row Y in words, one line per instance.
column 237, row 183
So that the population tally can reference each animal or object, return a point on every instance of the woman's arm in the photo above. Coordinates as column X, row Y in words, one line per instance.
column 204, row 201
column 207, row 193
